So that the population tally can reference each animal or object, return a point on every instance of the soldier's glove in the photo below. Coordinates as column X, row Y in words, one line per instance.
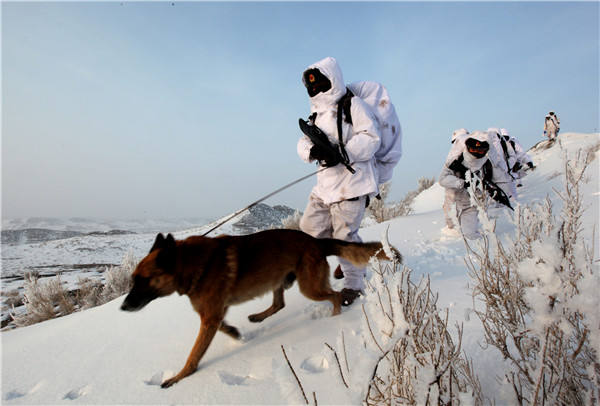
column 530, row 164
column 517, row 167
column 326, row 158
column 458, row 168
column 467, row 184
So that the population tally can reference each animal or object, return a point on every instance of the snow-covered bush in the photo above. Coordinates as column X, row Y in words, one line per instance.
column 44, row 301
column 380, row 211
column 51, row 299
column 88, row 293
column 292, row 222
column 539, row 299
column 12, row 298
column 117, row 279
column 419, row 363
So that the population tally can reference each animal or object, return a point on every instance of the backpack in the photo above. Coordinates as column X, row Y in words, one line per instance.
column 376, row 96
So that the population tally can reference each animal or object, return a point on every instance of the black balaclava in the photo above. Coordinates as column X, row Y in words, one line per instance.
column 315, row 82
column 477, row 148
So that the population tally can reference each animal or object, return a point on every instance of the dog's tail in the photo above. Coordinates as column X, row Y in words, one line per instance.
column 357, row 252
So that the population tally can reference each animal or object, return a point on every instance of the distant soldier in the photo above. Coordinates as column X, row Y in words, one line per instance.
column 551, row 125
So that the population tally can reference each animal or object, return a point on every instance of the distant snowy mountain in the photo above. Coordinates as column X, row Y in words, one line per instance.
column 262, row 217
column 41, row 229
column 35, row 235
column 106, row 356
column 89, row 225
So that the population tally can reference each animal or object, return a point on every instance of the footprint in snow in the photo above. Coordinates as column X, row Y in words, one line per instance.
column 159, row 377
column 77, row 393
column 250, row 335
column 15, row 394
column 235, row 380
column 318, row 310
column 315, row 364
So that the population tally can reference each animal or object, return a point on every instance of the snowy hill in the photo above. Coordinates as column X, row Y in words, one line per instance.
column 106, row 356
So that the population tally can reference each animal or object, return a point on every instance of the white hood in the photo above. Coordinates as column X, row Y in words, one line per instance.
column 325, row 100
column 458, row 133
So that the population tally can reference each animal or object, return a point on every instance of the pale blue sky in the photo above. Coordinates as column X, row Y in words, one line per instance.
column 131, row 109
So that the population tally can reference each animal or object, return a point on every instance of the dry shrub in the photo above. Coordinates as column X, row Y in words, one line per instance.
column 539, row 299
column 88, row 293
column 44, row 301
column 419, row 362
column 12, row 298
column 50, row 299
column 380, row 211
column 117, row 280
column 292, row 222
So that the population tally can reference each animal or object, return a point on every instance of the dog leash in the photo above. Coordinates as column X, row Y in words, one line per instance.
column 261, row 200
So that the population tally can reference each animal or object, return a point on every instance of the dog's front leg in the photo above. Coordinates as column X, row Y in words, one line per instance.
column 207, row 331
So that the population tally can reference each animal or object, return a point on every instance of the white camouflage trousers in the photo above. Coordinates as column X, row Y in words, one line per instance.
column 447, row 206
column 339, row 220
column 467, row 214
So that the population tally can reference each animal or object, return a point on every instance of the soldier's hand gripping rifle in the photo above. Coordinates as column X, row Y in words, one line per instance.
column 328, row 154
column 493, row 189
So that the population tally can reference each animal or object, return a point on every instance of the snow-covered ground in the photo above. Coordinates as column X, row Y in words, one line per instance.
column 106, row 356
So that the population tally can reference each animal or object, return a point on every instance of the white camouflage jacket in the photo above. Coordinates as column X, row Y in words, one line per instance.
column 361, row 140
column 448, row 178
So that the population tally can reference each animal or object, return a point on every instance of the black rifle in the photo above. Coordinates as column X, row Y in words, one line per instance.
column 319, row 139
column 493, row 189
column 497, row 193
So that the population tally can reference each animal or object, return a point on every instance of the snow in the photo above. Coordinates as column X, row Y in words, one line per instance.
column 106, row 356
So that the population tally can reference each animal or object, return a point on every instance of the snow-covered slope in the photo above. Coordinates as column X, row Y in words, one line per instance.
column 106, row 356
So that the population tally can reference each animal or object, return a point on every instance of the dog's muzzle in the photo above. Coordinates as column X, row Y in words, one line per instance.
column 136, row 300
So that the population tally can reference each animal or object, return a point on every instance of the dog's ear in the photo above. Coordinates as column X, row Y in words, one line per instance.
column 158, row 242
column 166, row 256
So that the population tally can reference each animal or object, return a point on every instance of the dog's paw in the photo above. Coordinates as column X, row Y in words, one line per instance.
column 256, row 318
column 169, row 382
column 231, row 332
column 159, row 377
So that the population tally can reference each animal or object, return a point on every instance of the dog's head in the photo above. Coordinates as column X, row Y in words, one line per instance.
column 154, row 276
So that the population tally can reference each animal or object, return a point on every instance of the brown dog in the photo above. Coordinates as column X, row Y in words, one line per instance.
column 216, row 273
